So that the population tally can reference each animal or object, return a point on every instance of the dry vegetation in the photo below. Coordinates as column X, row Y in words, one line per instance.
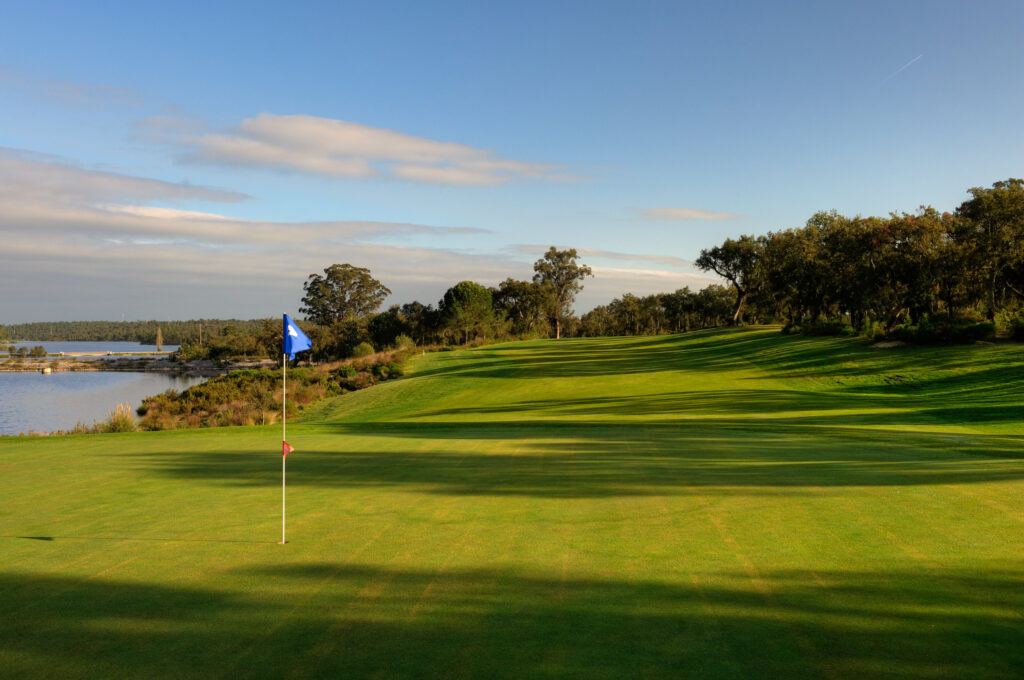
column 253, row 396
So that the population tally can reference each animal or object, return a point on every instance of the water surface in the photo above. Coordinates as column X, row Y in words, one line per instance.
column 93, row 348
column 44, row 403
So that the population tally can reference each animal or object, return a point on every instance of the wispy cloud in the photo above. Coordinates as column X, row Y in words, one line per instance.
column 96, row 240
column 683, row 215
column 32, row 177
column 538, row 251
column 47, row 197
column 338, row 148
column 71, row 94
column 87, row 235
column 901, row 68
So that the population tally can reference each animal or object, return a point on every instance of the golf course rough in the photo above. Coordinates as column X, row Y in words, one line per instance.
column 719, row 504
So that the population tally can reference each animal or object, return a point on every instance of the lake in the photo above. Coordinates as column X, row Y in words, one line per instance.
column 93, row 348
column 44, row 403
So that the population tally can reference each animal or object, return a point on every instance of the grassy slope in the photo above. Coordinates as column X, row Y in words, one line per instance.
column 721, row 504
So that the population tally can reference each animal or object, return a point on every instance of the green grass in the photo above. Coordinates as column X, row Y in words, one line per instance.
column 724, row 504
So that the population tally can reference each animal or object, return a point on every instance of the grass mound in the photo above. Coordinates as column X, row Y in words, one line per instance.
column 718, row 504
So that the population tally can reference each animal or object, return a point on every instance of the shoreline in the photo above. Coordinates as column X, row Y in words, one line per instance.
column 203, row 368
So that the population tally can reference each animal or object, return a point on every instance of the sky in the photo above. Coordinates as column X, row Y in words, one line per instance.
column 185, row 160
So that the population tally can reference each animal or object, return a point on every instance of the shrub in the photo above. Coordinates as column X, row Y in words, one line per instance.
column 404, row 342
column 80, row 428
column 363, row 349
column 345, row 371
column 120, row 420
column 190, row 352
column 253, row 395
column 1017, row 329
column 945, row 332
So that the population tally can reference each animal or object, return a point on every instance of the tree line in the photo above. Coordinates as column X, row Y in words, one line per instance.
column 143, row 332
column 924, row 275
column 340, row 307
column 920, row 270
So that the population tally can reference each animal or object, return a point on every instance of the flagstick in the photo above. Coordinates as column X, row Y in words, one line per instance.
column 284, row 428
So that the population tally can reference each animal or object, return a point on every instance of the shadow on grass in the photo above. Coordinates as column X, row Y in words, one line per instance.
column 559, row 459
column 714, row 349
column 135, row 538
column 757, row 440
column 789, row 357
column 377, row 621
column 794, row 406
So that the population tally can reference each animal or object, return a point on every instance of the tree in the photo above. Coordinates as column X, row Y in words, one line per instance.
column 992, row 230
column 344, row 293
column 423, row 321
column 159, row 340
column 335, row 341
column 677, row 307
column 388, row 325
column 467, row 307
column 626, row 314
column 558, row 272
column 525, row 304
column 736, row 261
column 596, row 322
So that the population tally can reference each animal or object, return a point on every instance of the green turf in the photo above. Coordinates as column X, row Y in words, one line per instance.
column 724, row 504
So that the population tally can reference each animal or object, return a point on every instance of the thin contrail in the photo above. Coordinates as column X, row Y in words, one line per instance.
column 897, row 71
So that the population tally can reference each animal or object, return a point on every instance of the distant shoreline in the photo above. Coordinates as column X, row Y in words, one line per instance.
column 78, row 362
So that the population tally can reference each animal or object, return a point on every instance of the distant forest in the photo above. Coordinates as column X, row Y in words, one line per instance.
column 143, row 332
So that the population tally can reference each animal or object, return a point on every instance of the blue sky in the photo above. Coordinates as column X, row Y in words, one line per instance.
column 177, row 160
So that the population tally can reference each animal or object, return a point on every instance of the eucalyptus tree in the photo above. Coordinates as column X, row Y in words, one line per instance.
column 559, row 273
column 343, row 293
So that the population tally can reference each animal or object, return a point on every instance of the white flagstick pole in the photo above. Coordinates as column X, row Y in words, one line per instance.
column 284, row 432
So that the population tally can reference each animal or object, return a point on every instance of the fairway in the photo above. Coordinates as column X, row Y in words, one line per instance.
column 719, row 504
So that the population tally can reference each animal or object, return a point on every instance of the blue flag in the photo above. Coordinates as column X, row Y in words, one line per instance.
column 294, row 339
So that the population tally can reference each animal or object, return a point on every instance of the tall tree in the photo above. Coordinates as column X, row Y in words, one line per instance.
column 563, row 277
column 992, row 228
column 736, row 261
column 467, row 308
column 343, row 293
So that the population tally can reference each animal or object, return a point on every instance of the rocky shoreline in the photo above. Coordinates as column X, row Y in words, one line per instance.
column 203, row 368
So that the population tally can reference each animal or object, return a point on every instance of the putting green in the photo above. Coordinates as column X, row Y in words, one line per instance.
column 721, row 504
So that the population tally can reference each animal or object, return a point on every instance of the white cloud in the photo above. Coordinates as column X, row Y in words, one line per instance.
column 29, row 177
column 72, row 238
column 338, row 148
column 79, row 243
column 684, row 214
column 611, row 282
column 664, row 260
